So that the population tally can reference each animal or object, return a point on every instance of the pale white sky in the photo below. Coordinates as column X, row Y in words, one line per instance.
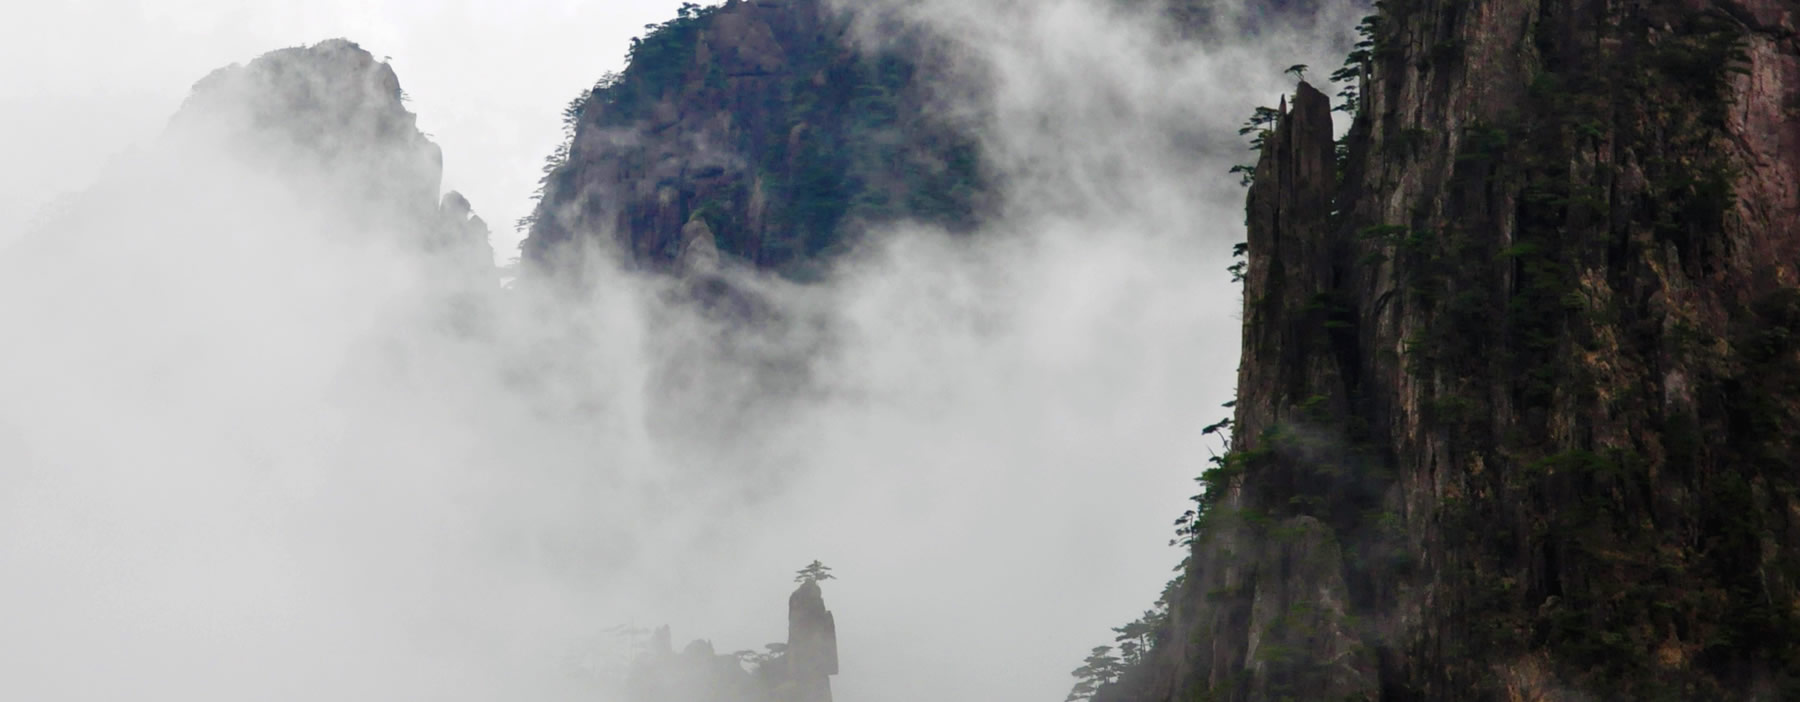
column 83, row 80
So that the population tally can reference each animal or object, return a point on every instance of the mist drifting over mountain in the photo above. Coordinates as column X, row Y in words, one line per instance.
column 934, row 292
column 259, row 443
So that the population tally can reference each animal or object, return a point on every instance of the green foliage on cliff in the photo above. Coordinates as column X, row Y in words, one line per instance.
column 659, row 60
column 1100, row 669
column 804, row 139
column 1649, row 591
column 1605, row 392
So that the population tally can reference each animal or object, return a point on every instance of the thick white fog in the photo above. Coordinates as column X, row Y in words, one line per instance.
column 244, row 454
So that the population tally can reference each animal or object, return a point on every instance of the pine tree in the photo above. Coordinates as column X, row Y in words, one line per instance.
column 814, row 572
column 1100, row 669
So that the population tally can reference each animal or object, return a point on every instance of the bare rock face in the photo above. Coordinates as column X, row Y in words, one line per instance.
column 1520, row 395
column 812, row 647
column 699, row 249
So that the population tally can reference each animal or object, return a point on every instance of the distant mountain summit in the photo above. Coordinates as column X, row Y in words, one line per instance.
column 763, row 132
column 332, row 115
column 776, row 133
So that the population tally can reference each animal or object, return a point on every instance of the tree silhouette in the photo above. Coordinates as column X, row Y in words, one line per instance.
column 1101, row 668
column 814, row 572
column 1248, row 171
column 1136, row 639
column 1298, row 69
column 1262, row 124
column 760, row 661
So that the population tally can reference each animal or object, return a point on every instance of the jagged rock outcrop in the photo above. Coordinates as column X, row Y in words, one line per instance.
column 812, row 656
column 1520, row 394
column 767, row 127
column 331, row 120
column 797, row 671
column 304, row 161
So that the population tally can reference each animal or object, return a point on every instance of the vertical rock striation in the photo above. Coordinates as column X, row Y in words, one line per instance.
column 1520, row 393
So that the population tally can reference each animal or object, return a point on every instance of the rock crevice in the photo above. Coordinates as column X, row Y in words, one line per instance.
column 1520, row 393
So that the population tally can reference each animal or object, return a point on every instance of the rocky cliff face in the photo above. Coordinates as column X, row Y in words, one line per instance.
column 765, row 132
column 1520, row 385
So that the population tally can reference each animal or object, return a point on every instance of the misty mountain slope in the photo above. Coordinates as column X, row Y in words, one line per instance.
column 777, row 136
column 1219, row 19
column 744, row 138
column 325, row 123
column 797, row 669
column 222, row 433
column 761, row 131
column 1518, row 406
column 243, row 461
column 332, row 109
column 778, row 133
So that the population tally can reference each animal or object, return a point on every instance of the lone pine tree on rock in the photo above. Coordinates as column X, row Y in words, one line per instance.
column 814, row 572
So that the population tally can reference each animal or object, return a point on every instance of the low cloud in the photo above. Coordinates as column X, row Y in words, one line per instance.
column 248, row 455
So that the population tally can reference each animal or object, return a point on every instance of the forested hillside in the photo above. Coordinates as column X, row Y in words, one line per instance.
column 768, row 132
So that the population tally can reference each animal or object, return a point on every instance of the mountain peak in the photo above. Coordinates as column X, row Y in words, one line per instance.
column 333, row 115
column 768, row 123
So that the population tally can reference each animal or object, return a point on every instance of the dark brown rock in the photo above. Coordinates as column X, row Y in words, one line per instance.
column 1529, row 361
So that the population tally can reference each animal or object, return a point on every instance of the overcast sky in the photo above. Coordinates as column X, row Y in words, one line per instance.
column 82, row 80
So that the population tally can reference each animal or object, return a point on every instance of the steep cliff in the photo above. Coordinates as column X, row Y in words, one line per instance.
column 811, row 657
column 1518, row 406
column 766, row 131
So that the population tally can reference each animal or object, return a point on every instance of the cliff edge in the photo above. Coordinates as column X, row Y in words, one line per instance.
column 1520, row 391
